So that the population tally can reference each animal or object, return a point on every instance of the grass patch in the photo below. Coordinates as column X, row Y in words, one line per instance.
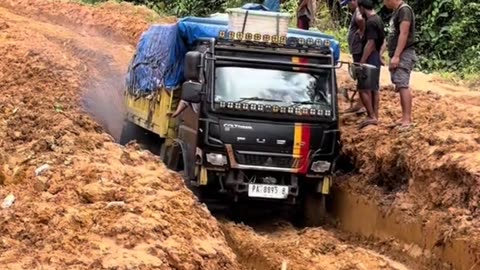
column 471, row 80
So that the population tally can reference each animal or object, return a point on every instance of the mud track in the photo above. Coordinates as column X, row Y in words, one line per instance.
column 100, row 205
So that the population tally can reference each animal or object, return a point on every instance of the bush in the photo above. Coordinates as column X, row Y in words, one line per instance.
column 448, row 31
column 449, row 35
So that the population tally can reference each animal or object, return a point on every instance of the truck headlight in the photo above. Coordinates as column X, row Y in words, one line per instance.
column 320, row 166
column 216, row 159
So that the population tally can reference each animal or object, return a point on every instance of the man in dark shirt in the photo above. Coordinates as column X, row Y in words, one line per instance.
column 372, row 42
column 401, row 50
column 354, row 37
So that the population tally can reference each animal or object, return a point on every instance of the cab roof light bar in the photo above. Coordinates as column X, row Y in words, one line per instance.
column 274, row 40
column 271, row 62
column 324, row 54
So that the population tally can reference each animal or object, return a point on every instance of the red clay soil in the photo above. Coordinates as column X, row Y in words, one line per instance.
column 430, row 171
column 282, row 245
column 98, row 205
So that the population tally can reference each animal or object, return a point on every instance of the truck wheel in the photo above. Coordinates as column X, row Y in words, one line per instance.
column 314, row 209
column 163, row 152
column 128, row 132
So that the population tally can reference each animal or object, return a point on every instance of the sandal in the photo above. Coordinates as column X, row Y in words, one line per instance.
column 368, row 122
column 350, row 110
column 394, row 125
column 402, row 128
column 361, row 111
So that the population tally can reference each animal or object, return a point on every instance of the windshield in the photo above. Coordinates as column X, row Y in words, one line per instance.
column 283, row 88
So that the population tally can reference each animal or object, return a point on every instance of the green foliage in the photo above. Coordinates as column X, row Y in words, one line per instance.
column 235, row 3
column 181, row 8
column 448, row 31
column 290, row 6
column 340, row 35
column 449, row 35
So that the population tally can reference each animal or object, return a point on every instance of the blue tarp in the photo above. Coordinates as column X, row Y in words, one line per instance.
column 157, row 61
column 160, row 53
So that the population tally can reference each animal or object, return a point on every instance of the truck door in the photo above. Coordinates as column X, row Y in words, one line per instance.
column 187, row 137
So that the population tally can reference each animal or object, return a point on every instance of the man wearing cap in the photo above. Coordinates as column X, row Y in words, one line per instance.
column 355, row 34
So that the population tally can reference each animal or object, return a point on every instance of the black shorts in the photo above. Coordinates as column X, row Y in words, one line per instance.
column 374, row 60
column 303, row 22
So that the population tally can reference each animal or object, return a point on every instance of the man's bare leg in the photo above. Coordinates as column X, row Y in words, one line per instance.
column 356, row 108
column 366, row 97
column 375, row 103
column 181, row 107
column 406, row 102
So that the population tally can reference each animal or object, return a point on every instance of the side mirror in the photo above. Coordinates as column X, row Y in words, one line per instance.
column 191, row 92
column 193, row 61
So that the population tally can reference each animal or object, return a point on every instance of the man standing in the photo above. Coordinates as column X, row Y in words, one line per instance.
column 306, row 12
column 401, row 50
column 372, row 43
column 355, row 31
column 354, row 38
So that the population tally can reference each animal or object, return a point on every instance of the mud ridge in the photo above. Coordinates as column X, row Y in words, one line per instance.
column 120, row 204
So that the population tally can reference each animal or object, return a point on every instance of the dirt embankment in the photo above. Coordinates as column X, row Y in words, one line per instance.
column 426, row 178
column 92, row 204
column 101, row 205
column 436, row 164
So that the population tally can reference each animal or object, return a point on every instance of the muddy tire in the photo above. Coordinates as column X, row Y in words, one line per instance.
column 314, row 209
column 128, row 132
column 163, row 152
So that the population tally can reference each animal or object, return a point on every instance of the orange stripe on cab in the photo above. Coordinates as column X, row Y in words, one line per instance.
column 297, row 141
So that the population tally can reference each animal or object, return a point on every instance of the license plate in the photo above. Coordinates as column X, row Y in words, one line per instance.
column 267, row 191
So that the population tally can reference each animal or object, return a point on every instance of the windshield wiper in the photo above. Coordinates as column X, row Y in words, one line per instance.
column 308, row 102
column 259, row 99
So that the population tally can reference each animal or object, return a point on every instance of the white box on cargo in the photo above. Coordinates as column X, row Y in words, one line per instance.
column 257, row 21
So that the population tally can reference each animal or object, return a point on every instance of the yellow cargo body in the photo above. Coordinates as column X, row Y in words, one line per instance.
column 153, row 112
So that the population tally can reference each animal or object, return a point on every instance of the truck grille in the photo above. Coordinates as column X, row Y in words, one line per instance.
column 267, row 161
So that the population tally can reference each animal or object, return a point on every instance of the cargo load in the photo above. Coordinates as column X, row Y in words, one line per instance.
column 159, row 57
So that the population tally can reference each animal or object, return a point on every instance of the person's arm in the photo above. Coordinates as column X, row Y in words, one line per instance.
column 382, row 51
column 405, row 22
column 181, row 107
column 360, row 22
column 367, row 51
column 402, row 39
column 303, row 4
column 370, row 34
column 384, row 47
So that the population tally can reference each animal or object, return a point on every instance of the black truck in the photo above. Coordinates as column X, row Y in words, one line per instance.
column 262, row 122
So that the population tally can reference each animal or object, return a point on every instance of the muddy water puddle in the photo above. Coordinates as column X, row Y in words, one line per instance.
column 264, row 237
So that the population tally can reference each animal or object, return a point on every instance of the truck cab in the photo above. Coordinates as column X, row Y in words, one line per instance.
column 262, row 122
